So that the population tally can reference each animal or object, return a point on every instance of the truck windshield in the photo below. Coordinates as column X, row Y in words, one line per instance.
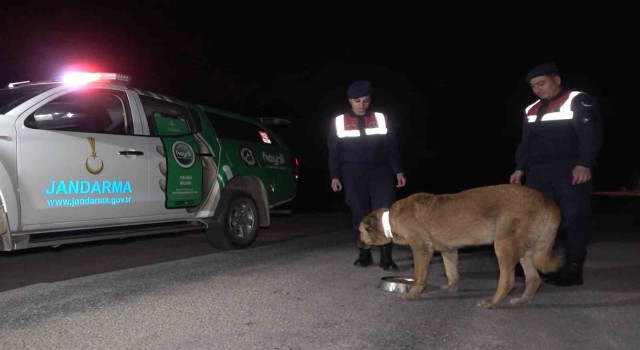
column 10, row 98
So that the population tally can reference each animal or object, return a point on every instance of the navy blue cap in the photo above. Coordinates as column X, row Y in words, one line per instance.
column 359, row 89
column 548, row 68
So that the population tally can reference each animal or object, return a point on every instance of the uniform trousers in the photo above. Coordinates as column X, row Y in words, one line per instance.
column 367, row 187
column 554, row 180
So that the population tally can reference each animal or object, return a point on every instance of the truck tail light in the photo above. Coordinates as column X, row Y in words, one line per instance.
column 295, row 166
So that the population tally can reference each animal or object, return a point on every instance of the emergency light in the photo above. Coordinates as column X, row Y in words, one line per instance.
column 81, row 78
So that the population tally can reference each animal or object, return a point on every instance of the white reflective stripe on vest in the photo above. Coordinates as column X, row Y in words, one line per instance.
column 380, row 130
column 386, row 225
column 565, row 112
column 341, row 131
column 526, row 110
column 382, row 126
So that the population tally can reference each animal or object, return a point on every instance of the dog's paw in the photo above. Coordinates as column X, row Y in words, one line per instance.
column 450, row 287
column 519, row 302
column 413, row 293
column 487, row 303
column 409, row 296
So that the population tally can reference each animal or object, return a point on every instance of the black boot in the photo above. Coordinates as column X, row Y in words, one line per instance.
column 570, row 274
column 365, row 258
column 386, row 261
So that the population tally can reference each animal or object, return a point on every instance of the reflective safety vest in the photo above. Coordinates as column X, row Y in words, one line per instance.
column 558, row 109
column 347, row 126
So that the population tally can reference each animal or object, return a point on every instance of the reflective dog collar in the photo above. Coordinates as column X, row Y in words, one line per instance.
column 386, row 225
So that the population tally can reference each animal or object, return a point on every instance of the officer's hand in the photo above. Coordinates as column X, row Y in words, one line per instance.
column 581, row 174
column 401, row 180
column 336, row 185
column 516, row 177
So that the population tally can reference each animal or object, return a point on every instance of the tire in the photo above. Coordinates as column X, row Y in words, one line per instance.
column 238, row 225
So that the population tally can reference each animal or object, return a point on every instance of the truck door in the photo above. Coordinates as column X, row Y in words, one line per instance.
column 177, row 154
column 182, row 167
column 79, row 161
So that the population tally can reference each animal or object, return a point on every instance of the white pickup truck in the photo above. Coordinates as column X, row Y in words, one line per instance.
column 88, row 157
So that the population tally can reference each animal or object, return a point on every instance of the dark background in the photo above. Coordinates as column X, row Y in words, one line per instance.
column 450, row 79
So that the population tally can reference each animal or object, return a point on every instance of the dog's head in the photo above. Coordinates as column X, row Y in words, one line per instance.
column 371, row 229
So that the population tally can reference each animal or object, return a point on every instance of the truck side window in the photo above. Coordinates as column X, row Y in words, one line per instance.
column 153, row 105
column 93, row 111
column 229, row 128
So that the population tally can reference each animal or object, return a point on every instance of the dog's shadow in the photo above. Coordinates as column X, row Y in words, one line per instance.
column 437, row 267
column 480, row 294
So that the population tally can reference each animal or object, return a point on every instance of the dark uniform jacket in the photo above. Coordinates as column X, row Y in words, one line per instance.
column 567, row 127
column 363, row 140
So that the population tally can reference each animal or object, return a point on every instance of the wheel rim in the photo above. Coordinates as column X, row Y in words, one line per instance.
column 241, row 220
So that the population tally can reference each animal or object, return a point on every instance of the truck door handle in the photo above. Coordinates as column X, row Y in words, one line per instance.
column 131, row 153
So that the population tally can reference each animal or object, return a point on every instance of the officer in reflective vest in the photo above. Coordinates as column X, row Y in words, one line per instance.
column 365, row 160
column 561, row 139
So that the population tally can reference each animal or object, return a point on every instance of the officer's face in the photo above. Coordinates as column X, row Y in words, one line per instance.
column 360, row 105
column 545, row 86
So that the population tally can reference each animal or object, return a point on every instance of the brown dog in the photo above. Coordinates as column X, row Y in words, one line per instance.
column 520, row 222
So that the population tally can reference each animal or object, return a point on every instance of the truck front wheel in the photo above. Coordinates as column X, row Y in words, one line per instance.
column 238, row 226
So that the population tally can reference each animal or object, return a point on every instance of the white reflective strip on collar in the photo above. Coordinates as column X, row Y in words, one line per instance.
column 567, row 104
column 386, row 225
column 340, row 130
column 340, row 126
column 562, row 115
column 551, row 116
column 565, row 112
column 531, row 118
column 348, row 133
column 526, row 110
column 381, row 129
column 382, row 126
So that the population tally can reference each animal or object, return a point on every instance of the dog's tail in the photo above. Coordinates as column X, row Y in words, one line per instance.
column 544, row 258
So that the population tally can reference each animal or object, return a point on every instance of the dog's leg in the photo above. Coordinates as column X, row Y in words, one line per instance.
column 421, row 259
column 532, row 281
column 450, row 260
column 507, row 256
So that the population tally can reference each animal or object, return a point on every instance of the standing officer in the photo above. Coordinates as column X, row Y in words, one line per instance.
column 561, row 139
column 364, row 157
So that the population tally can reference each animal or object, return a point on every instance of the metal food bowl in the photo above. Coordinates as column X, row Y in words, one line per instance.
column 396, row 284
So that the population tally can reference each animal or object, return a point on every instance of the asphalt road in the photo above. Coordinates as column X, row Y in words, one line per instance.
column 46, row 265
column 304, row 293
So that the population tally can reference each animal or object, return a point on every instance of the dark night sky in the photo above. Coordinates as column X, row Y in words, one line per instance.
column 451, row 80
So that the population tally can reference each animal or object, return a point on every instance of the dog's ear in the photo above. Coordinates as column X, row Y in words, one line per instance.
column 370, row 223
